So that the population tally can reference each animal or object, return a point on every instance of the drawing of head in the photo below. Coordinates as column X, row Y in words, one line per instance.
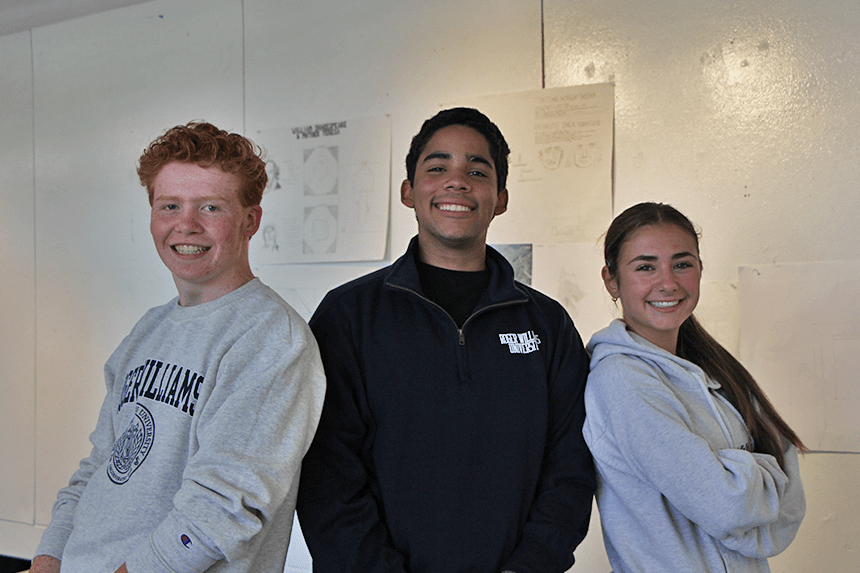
column 274, row 173
column 551, row 156
column 270, row 238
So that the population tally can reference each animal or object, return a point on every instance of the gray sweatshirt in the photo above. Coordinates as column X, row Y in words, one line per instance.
column 196, row 454
column 680, row 487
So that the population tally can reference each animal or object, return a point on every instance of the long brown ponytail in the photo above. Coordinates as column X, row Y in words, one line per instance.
column 766, row 426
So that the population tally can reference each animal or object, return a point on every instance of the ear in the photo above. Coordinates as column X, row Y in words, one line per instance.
column 610, row 282
column 502, row 203
column 252, row 225
column 406, row 194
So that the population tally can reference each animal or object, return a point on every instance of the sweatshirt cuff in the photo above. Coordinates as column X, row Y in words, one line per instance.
column 53, row 542
column 173, row 547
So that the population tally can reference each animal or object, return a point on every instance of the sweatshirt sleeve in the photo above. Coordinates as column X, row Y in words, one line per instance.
column 560, row 512
column 768, row 539
column 338, row 510
column 253, row 430
column 741, row 498
column 59, row 530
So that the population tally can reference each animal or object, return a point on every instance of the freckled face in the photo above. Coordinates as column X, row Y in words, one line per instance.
column 455, row 194
column 201, row 230
column 658, row 278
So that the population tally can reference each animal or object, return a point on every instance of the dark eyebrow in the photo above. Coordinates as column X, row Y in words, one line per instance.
column 447, row 156
column 651, row 258
column 480, row 159
column 683, row 255
column 647, row 258
column 436, row 155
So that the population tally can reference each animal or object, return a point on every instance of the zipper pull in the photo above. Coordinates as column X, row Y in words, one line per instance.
column 462, row 338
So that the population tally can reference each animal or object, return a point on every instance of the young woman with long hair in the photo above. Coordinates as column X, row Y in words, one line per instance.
column 697, row 471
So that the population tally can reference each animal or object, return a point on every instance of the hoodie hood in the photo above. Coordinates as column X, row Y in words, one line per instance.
column 616, row 339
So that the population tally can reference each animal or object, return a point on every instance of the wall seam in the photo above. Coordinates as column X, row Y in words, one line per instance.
column 244, row 105
column 35, row 269
column 542, row 49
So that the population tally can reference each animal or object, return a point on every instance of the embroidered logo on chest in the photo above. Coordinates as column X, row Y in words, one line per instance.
column 521, row 343
column 131, row 448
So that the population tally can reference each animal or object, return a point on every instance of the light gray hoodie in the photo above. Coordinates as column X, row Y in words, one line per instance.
column 680, row 487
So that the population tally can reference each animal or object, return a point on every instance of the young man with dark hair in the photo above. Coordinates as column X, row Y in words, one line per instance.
column 212, row 399
column 451, row 435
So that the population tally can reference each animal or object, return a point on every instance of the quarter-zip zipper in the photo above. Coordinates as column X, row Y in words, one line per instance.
column 461, row 337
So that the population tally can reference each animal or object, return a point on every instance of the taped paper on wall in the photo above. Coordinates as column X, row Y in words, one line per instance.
column 560, row 178
column 800, row 339
column 328, row 193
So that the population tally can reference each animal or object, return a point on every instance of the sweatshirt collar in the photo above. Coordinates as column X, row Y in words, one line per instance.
column 179, row 313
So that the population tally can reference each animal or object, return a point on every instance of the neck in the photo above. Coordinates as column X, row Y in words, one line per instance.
column 668, row 341
column 194, row 294
column 455, row 261
column 471, row 258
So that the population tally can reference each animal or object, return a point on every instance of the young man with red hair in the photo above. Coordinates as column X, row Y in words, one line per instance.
column 212, row 399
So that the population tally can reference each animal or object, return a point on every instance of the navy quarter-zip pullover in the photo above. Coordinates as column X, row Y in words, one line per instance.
column 446, row 449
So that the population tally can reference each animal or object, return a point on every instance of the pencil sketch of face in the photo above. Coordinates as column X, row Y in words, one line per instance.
column 274, row 172
column 584, row 156
column 551, row 156
column 270, row 238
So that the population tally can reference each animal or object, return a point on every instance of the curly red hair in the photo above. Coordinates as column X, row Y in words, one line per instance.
column 204, row 144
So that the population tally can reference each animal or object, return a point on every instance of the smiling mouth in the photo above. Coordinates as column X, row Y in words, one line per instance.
column 189, row 249
column 664, row 303
column 451, row 207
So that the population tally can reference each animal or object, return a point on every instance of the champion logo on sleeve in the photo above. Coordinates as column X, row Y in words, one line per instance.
column 186, row 541
column 522, row 343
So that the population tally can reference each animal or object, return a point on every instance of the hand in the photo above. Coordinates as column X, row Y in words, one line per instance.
column 45, row 564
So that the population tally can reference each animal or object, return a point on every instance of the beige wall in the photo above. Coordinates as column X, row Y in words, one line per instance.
column 742, row 114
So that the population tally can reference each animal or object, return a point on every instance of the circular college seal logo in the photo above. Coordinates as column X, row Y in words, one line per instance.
column 131, row 448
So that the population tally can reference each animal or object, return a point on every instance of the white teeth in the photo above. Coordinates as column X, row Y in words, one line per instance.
column 189, row 249
column 664, row 304
column 449, row 207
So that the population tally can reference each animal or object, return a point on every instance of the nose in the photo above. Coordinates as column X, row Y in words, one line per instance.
column 457, row 180
column 668, row 282
column 188, row 222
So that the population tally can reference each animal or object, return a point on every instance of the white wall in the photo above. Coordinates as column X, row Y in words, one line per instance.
column 17, row 281
column 744, row 115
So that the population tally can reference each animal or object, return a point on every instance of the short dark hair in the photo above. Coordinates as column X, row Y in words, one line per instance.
column 468, row 117
column 204, row 144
